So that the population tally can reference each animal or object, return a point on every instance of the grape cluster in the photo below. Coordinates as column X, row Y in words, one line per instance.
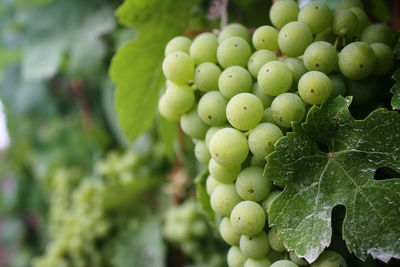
column 235, row 94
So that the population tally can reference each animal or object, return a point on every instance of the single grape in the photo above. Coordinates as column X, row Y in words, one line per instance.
column 248, row 218
column 345, row 23
column 227, row 233
column 233, row 51
column 329, row 258
column 223, row 199
column 179, row 43
column 235, row 257
column 266, row 203
column 297, row 260
column 223, row 174
column 166, row 111
column 284, row 263
column 315, row 87
column 274, row 241
column 286, row 108
column 244, row 111
column 265, row 37
column 211, row 184
column 234, row 30
column 274, row 78
column 257, row 162
column 378, row 33
column 201, row 152
column 346, row 4
column 178, row 67
column 294, row 38
column 363, row 20
column 252, row 185
column 206, row 76
column 338, row 85
column 265, row 99
column 179, row 97
column 357, row 60
column 321, row 56
column 267, row 116
column 212, row 107
column 384, row 59
column 282, row 12
column 204, row 48
column 297, row 68
column 316, row 15
column 210, row 132
column 234, row 80
column 258, row 59
column 263, row 138
column 192, row 125
column 256, row 246
column 229, row 147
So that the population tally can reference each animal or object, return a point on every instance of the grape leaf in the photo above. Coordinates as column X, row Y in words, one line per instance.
column 396, row 90
column 316, row 181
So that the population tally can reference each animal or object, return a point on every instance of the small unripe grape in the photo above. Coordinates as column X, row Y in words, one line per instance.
column 233, row 51
column 329, row 258
column 274, row 78
column 286, row 108
column 227, row 233
column 345, row 23
column 178, row 67
column 179, row 97
column 210, row 132
column 378, row 33
column 223, row 174
column 282, row 12
column 244, row 111
column 234, row 80
column 258, row 59
column 266, row 203
column 265, row 99
column 192, row 125
column 211, row 184
column 297, row 68
column 248, row 218
column 357, row 60
column 256, row 246
column 179, row 43
column 212, row 107
column 297, row 260
column 384, row 59
column 321, row 56
column 206, row 76
column 235, row 257
column 265, row 37
column 223, row 199
column 315, row 87
column 316, row 15
column 284, row 263
column 234, row 30
column 263, row 138
column 338, row 85
column 201, row 152
column 294, row 38
column 166, row 111
column 263, row 262
column 204, row 48
column 274, row 241
column 252, row 185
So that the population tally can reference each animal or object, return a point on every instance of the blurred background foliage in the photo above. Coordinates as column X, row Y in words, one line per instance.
column 73, row 190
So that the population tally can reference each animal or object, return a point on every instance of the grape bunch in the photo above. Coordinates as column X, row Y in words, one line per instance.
column 236, row 94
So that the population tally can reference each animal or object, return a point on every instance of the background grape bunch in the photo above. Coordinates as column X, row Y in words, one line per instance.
column 235, row 94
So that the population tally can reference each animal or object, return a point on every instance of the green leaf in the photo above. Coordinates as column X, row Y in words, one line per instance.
column 316, row 181
column 136, row 68
column 396, row 90
column 202, row 195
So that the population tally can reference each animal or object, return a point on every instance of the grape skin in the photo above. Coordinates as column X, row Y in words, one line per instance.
column 211, row 184
column 274, row 78
column 206, row 76
column 384, row 59
column 204, row 48
column 227, row 233
column 297, row 260
column 316, row 15
column 345, row 23
column 167, row 112
column 192, row 125
column 201, row 152
column 259, row 59
column 256, row 246
column 315, row 87
column 248, row 218
column 233, row 51
column 263, row 138
column 357, row 60
column 223, row 199
column 329, row 258
column 320, row 56
column 282, row 12
column 252, row 185
column 284, row 263
column 223, row 174
column 274, row 241
column 235, row 257
column 179, row 43
column 294, row 38
column 263, row 262
column 179, row 98
column 266, row 203
column 265, row 37
column 297, row 68
column 234, row 80
column 212, row 107
column 378, row 33
column 286, row 108
column 244, row 111
column 178, row 67
column 234, row 30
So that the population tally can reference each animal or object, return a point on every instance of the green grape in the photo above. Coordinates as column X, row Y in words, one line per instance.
column 206, row 76
column 286, row 108
column 274, row 78
column 357, row 60
column 212, row 107
column 178, row 67
column 258, row 59
column 346, row 4
column 263, row 262
column 345, row 23
column 223, row 174
column 294, row 38
column 167, row 112
column 297, row 68
column 338, row 85
column 329, row 258
column 265, row 37
column 284, row 263
column 266, row 203
column 384, row 59
column 211, row 184
column 252, row 185
column 378, row 33
column 204, row 48
column 321, row 56
column 262, row 139
column 364, row 91
column 363, row 20
column 282, row 12
column 267, row 116
column 244, row 111
column 256, row 246
column 265, row 99
column 316, row 15
column 179, row 43
column 192, row 125
column 234, row 80
column 233, row 51
column 234, row 30
column 179, row 97
column 274, row 241
column 201, row 152
column 257, row 162
column 199, row 228
column 229, row 147
column 227, row 233
column 223, row 199
column 327, row 36
column 248, row 218
column 297, row 260
column 315, row 87
column 210, row 132
column 235, row 257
